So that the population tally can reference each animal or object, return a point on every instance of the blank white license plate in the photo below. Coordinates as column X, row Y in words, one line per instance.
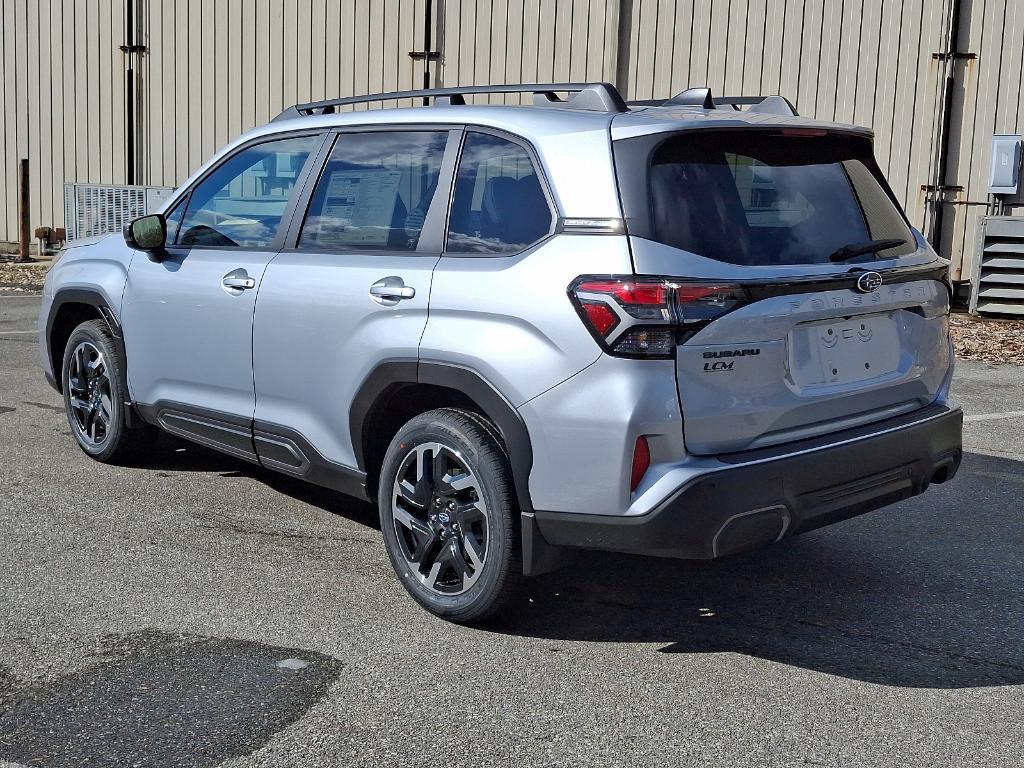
column 844, row 351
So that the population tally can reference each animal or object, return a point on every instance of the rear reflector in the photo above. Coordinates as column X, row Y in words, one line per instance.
column 601, row 316
column 641, row 462
column 648, row 317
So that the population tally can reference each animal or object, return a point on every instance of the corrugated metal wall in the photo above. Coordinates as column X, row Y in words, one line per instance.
column 989, row 99
column 212, row 70
column 215, row 69
column 852, row 61
column 63, row 101
column 527, row 41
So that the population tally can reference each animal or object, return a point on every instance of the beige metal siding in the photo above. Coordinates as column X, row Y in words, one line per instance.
column 67, row 124
column 212, row 71
column 526, row 41
column 993, row 102
column 215, row 69
column 855, row 61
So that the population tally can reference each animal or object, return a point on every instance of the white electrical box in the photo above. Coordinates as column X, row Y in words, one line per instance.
column 1004, row 178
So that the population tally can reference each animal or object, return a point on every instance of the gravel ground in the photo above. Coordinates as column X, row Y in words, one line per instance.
column 22, row 277
column 187, row 609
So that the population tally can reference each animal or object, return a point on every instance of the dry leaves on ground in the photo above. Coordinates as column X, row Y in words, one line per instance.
column 22, row 277
column 992, row 341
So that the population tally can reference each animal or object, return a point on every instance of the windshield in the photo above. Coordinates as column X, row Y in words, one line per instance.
column 771, row 197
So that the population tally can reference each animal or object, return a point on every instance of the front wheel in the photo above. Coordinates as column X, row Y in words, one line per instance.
column 448, row 515
column 94, row 397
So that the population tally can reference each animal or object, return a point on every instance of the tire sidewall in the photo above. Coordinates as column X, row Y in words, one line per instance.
column 437, row 429
column 86, row 332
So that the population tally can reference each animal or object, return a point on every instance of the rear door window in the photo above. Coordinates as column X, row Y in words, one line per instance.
column 375, row 191
column 767, row 198
column 499, row 204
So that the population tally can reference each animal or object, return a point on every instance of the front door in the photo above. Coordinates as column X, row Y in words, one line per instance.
column 188, row 318
column 349, row 293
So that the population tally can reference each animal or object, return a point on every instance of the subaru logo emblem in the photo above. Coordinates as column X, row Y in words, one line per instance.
column 443, row 517
column 868, row 282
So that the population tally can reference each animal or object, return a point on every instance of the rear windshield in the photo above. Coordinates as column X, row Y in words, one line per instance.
column 766, row 197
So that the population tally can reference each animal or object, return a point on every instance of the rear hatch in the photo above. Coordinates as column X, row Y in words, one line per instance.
column 820, row 309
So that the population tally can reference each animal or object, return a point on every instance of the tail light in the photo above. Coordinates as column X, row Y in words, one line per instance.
column 648, row 317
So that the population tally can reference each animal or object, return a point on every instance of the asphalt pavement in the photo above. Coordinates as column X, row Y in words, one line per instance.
column 189, row 609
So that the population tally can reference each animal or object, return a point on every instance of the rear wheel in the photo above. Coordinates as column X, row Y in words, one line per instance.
column 94, row 397
column 448, row 515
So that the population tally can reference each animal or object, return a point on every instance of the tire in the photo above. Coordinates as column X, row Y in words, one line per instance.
column 449, row 517
column 94, row 402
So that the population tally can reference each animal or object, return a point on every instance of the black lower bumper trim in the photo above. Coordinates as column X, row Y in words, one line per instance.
column 750, row 504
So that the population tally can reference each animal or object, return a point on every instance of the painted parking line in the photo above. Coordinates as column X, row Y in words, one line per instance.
column 19, row 296
column 12, row 333
column 994, row 416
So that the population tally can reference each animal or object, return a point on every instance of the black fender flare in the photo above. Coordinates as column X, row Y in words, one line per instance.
column 82, row 296
column 95, row 299
column 461, row 379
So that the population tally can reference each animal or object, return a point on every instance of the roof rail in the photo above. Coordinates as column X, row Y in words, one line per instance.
column 600, row 97
column 702, row 98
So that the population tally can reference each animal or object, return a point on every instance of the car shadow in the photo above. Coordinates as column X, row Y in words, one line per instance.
column 924, row 594
column 169, row 453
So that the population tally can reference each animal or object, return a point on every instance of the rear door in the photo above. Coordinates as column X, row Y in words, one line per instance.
column 350, row 290
column 833, row 311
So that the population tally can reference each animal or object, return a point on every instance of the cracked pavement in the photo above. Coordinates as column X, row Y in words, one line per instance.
column 147, row 609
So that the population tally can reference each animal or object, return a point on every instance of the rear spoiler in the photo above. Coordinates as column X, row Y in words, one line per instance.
column 703, row 99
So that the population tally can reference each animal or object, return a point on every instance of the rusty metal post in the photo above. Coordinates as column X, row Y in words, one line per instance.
column 24, row 216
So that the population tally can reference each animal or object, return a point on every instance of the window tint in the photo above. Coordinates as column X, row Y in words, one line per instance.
column 375, row 191
column 241, row 203
column 173, row 219
column 499, row 204
column 764, row 198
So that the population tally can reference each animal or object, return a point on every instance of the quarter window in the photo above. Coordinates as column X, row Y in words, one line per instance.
column 375, row 192
column 173, row 219
column 499, row 205
column 242, row 202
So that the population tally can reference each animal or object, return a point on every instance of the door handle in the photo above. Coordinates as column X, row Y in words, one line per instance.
column 387, row 292
column 391, row 290
column 238, row 279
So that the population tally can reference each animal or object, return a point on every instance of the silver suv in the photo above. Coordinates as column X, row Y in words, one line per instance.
column 679, row 328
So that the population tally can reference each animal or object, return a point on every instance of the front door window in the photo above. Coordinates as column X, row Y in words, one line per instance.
column 242, row 202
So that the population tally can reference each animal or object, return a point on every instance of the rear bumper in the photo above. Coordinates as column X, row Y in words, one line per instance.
column 759, row 497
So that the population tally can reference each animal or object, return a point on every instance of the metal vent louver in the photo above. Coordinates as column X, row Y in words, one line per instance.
column 96, row 209
column 997, row 286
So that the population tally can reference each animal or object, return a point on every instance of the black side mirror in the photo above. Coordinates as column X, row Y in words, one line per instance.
column 147, row 233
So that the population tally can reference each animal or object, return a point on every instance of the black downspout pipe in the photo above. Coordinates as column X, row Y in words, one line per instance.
column 427, row 22
column 129, row 88
column 624, row 39
column 935, row 235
